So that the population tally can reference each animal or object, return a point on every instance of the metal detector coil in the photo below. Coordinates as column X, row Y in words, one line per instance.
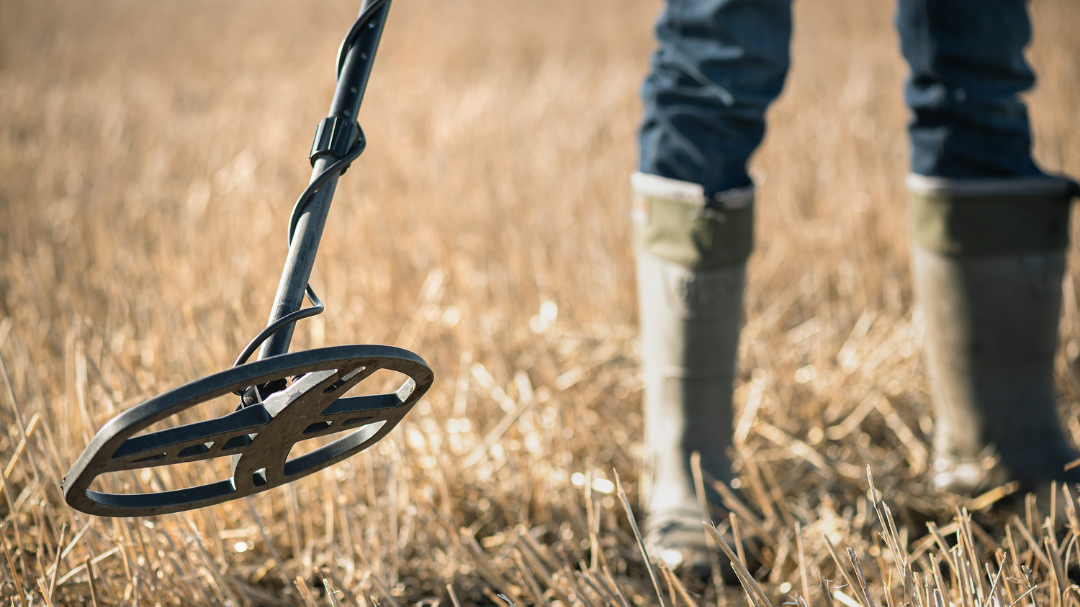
column 258, row 437
column 284, row 398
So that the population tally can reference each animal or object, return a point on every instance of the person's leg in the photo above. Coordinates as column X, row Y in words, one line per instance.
column 989, row 232
column 967, row 73
column 719, row 65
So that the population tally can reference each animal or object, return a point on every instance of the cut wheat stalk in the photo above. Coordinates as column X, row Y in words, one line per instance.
column 753, row 589
column 640, row 542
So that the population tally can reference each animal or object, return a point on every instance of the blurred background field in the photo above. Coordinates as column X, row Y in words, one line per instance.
column 150, row 154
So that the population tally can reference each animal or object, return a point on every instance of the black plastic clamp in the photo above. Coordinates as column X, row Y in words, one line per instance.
column 333, row 138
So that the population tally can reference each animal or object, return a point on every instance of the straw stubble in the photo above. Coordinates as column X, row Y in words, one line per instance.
column 150, row 155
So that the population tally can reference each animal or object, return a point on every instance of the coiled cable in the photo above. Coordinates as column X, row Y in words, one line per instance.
column 335, row 168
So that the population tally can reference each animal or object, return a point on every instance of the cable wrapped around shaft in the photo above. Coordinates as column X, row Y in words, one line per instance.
column 337, row 167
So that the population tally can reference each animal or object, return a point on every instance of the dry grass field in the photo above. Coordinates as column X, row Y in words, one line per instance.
column 150, row 154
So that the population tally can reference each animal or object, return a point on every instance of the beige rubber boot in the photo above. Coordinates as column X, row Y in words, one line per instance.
column 691, row 269
column 988, row 261
column 689, row 336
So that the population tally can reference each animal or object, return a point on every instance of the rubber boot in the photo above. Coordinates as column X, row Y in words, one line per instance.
column 988, row 259
column 691, row 269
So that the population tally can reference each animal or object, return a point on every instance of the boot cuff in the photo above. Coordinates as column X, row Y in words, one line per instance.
column 985, row 217
column 675, row 221
column 1044, row 185
column 692, row 193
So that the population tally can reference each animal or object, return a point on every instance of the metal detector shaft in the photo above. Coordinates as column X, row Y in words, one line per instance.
column 355, row 71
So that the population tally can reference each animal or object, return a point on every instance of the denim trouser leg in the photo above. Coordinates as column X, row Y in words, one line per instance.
column 719, row 65
column 721, row 62
column 967, row 71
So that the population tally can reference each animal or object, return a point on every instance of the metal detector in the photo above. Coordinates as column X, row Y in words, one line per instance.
column 284, row 398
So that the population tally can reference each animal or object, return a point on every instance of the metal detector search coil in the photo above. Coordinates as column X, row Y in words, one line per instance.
column 258, row 437
column 284, row 398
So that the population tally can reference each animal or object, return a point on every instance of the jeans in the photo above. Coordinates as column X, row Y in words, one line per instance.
column 722, row 62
